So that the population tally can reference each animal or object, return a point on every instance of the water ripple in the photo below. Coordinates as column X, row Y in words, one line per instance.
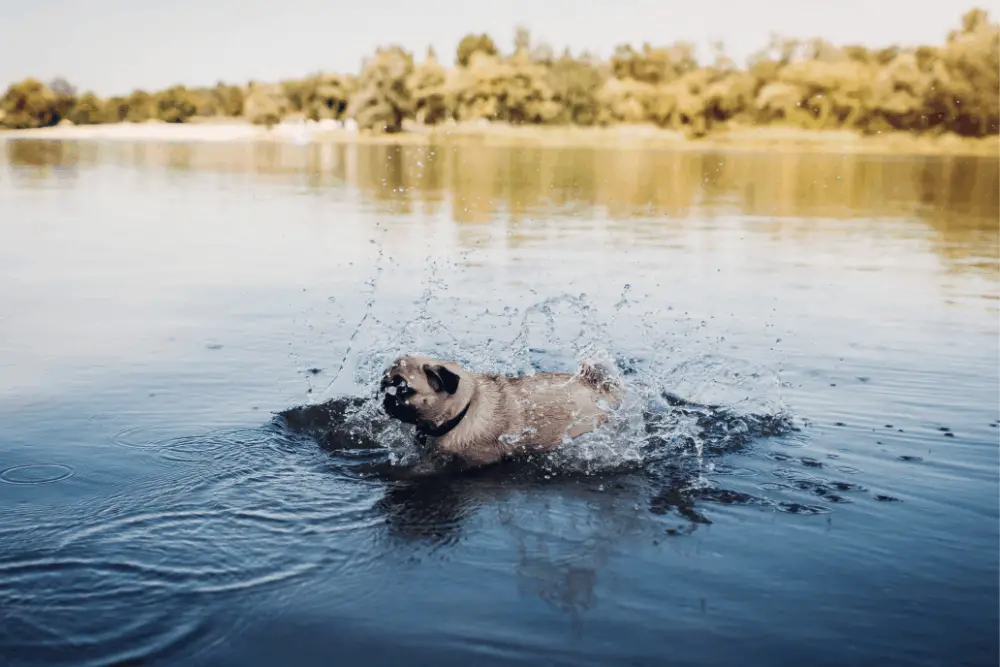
column 194, row 549
column 69, row 611
column 36, row 473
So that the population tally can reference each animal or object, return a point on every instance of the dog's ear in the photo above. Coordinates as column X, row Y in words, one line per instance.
column 441, row 379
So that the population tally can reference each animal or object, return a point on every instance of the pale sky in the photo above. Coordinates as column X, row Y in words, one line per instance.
column 114, row 46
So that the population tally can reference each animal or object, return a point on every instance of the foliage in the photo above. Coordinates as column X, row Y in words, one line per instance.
column 383, row 99
column 29, row 104
column 514, row 91
column 953, row 87
column 88, row 110
column 574, row 84
column 115, row 110
column 140, row 106
column 176, row 105
column 228, row 100
column 320, row 97
column 428, row 88
column 653, row 65
column 471, row 44
column 964, row 78
column 266, row 104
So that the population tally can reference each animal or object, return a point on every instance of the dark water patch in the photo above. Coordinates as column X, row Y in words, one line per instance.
column 826, row 488
column 155, row 630
column 729, row 497
column 800, row 508
column 848, row 486
column 680, row 500
column 724, row 429
column 328, row 424
column 84, row 605
column 798, row 482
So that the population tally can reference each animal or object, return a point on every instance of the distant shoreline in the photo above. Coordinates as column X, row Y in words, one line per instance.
column 747, row 139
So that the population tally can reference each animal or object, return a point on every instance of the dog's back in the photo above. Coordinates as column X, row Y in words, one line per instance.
column 533, row 412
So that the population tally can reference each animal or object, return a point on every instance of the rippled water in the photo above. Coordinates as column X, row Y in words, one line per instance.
column 191, row 473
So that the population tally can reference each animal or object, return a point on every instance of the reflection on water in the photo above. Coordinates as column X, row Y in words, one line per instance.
column 957, row 197
column 163, row 301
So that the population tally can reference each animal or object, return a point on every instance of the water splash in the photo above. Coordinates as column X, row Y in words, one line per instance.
column 727, row 401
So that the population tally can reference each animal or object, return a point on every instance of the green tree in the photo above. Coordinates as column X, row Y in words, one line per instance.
column 176, row 105
column 140, row 107
column 575, row 85
column 115, row 110
column 963, row 86
column 428, row 91
column 474, row 44
column 65, row 93
column 89, row 110
column 29, row 104
column 266, row 104
column 653, row 65
column 383, row 99
column 229, row 99
column 320, row 96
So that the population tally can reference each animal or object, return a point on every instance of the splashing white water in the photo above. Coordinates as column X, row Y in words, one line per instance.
column 559, row 334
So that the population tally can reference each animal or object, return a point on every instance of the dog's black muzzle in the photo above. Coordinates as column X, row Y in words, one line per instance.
column 395, row 391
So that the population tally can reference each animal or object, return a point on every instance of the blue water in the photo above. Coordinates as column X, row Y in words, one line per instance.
column 161, row 304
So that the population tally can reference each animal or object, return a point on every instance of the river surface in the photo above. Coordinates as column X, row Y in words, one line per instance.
column 823, row 491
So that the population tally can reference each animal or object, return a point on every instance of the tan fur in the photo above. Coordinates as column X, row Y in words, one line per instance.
column 506, row 415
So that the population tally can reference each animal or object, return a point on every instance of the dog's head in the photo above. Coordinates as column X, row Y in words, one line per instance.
column 425, row 391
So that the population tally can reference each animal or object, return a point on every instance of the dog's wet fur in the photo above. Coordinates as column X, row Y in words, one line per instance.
column 482, row 418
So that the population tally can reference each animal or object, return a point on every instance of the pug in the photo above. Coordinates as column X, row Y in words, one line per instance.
column 481, row 418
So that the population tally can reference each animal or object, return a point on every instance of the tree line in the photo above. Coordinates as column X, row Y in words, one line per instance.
column 949, row 88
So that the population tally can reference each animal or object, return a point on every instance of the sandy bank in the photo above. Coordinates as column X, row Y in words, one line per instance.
column 629, row 136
